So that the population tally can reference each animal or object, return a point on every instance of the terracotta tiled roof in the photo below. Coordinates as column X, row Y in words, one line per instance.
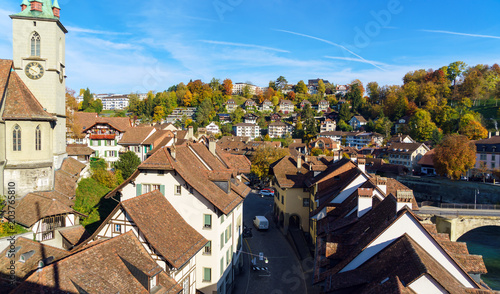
column 403, row 148
column 33, row 252
column 79, row 149
column 74, row 235
column 19, row 103
column 164, row 228
column 158, row 161
column 164, row 142
column 157, row 137
column 136, row 136
column 34, row 207
column 405, row 260
column 195, row 172
column 428, row 158
column 118, row 265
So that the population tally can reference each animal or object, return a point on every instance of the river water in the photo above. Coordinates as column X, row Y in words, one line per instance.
column 485, row 241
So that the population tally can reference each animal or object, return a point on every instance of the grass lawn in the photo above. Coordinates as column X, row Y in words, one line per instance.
column 9, row 229
column 91, row 202
column 239, row 99
column 490, row 110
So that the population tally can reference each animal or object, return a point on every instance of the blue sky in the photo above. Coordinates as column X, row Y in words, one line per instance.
column 135, row 46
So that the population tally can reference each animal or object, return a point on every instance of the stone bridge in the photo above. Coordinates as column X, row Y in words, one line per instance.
column 456, row 223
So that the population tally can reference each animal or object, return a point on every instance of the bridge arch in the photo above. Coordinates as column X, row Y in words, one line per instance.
column 457, row 227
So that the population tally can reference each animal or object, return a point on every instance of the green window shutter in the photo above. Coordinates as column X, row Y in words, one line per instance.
column 90, row 142
column 221, row 241
column 138, row 189
column 162, row 189
column 222, row 266
column 97, row 153
column 208, row 221
column 105, row 153
column 116, row 142
column 99, row 141
column 207, row 274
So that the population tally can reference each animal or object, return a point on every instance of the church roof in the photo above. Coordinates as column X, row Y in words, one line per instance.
column 19, row 103
column 45, row 13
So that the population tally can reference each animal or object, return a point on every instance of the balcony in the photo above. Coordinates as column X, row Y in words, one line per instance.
column 102, row 136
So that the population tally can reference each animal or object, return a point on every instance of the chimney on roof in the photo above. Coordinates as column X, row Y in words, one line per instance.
column 299, row 162
column 212, row 145
column 172, row 151
column 190, row 133
column 361, row 164
column 489, row 135
column 364, row 200
column 382, row 184
column 404, row 198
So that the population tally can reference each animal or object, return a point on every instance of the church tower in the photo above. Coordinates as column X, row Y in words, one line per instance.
column 39, row 60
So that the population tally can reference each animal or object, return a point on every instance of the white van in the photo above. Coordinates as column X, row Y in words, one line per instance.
column 261, row 222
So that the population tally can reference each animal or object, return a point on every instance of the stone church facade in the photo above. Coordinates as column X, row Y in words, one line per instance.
column 32, row 100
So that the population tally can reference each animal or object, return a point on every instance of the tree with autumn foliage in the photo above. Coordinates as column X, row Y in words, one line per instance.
column 264, row 157
column 454, row 156
column 227, row 87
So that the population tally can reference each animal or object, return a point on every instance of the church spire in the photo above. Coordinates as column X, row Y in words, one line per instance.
column 56, row 10
column 24, row 5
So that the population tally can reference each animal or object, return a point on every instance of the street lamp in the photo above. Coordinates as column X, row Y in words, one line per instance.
column 476, row 192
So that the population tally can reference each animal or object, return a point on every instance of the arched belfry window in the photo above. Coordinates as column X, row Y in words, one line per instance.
column 16, row 138
column 38, row 138
column 35, row 44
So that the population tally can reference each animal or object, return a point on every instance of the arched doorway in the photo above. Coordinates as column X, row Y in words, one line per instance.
column 294, row 222
column 281, row 219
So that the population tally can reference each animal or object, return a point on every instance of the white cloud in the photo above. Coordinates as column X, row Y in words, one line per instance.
column 355, row 60
column 333, row 44
column 244, row 45
column 95, row 32
column 461, row 34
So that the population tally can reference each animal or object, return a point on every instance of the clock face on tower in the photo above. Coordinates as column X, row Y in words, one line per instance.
column 34, row 70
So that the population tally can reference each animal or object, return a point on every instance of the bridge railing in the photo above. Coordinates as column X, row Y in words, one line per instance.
column 470, row 206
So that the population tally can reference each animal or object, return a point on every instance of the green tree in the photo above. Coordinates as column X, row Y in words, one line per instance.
column 127, row 163
column 301, row 87
column 373, row 92
column 321, row 88
column 383, row 126
column 237, row 115
column 343, row 126
column 281, row 83
column 345, row 112
column 355, row 97
column 264, row 157
column 205, row 112
column 87, row 99
column 455, row 70
column 454, row 156
column 310, row 124
column 421, row 126
column 247, row 92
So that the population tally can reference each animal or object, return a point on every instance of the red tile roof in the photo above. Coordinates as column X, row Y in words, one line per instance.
column 36, row 252
column 136, row 136
column 164, row 228
column 118, row 265
column 187, row 163
column 19, row 103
